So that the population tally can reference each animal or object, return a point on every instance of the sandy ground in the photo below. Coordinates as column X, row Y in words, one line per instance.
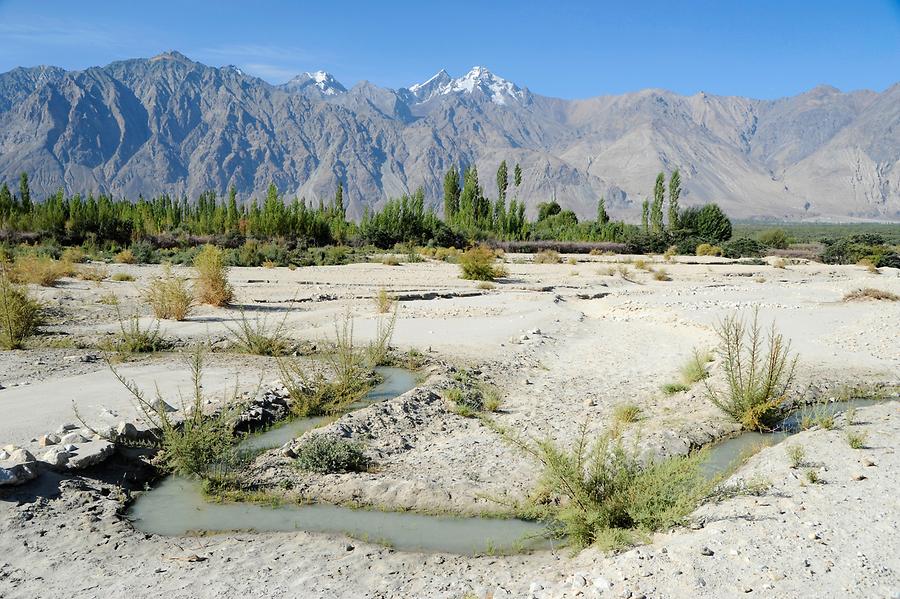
column 565, row 344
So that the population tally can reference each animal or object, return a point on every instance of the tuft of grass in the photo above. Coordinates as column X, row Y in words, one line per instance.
column 125, row 257
column 327, row 454
column 705, row 249
column 92, row 273
column 623, row 270
column 257, row 336
column 383, row 301
column 870, row 266
column 625, row 413
column 820, row 415
column 268, row 264
column 870, row 293
column 390, row 260
column 604, row 495
column 796, row 454
column 661, row 275
column 572, row 261
column 670, row 253
column 39, row 270
column 812, row 476
column 121, row 277
column 779, row 263
column 20, row 314
column 73, row 255
column 169, row 296
column 547, row 257
column 478, row 264
column 673, row 388
column 135, row 339
column 857, row 439
column 758, row 373
column 642, row 264
column 486, row 285
column 694, row 370
column 109, row 299
column 212, row 286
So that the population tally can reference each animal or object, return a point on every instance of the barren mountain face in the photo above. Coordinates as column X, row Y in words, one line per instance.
column 171, row 125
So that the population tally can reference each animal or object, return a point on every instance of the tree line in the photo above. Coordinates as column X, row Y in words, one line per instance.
column 469, row 215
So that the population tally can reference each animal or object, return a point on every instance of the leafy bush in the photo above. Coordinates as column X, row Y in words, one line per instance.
column 625, row 413
column 743, row 248
column 39, row 270
column 774, row 238
column 198, row 442
column 170, row 297
column 326, row 454
column 20, row 315
column 603, row 495
column 796, row 454
column 758, row 378
column 133, row 338
column 477, row 264
column 212, row 285
column 713, row 224
column 143, row 252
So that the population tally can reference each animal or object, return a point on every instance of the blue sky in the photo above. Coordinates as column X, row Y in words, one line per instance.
column 758, row 48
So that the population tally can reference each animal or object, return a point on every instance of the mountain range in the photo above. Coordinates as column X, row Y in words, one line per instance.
column 168, row 124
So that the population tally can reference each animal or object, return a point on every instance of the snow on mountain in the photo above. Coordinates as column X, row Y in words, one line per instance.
column 479, row 78
column 319, row 82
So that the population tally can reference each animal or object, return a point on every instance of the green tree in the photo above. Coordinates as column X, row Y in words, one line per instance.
column 656, row 211
column 24, row 193
column 451, row 194
column 713, row 224
column 517, row 175
column 645, row 216
column 339, row 208
column 548, row 209
column 674, row 195
column 602, row 216
column 502, row 181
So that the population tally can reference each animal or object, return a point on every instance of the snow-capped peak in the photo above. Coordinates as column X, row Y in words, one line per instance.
column 321, row 82
column 479, row 78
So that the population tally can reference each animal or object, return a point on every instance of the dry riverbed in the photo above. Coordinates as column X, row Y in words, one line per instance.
column 564, row 345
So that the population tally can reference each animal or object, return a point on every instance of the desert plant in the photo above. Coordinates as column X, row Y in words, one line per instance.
column 870, row 266
column 121, row 277
column 661, row 275
column 133, row 338
column 642, row 264
column 673, row 388
column 572, row 261
column 758, row 378
column 268, row 264
column 547, row 257
column 212, row 286
column 812, row 476
column 126, row 256
column 169, row 296
column 478, row 264
column 92, row 273
column 20, row 315
column 604, row 495
column 199, row 441
column 625, row 413
column 819, row 414
column 486, row 285
column 694, row 369
column 390, row 260
column 705, row 249
column 857, row 439
column 327, row 454
column 383, row 301
column 779, row 263
column 465, row 401
column 670, row 253
column 73, row 255
column 257, row 336
column 376, row 351
column 796, row 454
column 870, row 293
column 39, row 270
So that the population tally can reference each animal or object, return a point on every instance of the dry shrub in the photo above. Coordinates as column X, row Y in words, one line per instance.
column 212, row 285
column 779, row 263
column 125, row 257
column 661, row 275
column 642, row 264
column 869, row 266
column 73, row 255
column 122, row 276
column 547, row 257
column 39, row 270
column 705, row 249
column 670, row 253
column 870, row 293
column 268, row 264
column 384, row 301
column 92, row 273
column 20, row 315
column 170, row 297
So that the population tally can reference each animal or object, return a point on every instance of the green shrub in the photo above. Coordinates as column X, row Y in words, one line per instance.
column 133, row 338
column 673, row 388
column 713, row 224
column 258, row 337
column 625, row 413
column 743, row 248
column 20, row 315
column 477, row 264
column 326, row 454
column 212, row 286
column 705, row 249
column 547, row 257
column 758, row 378
column 774, row 238
column 796, row 454
column 603, row 495
column 857, row 439
column 122, row 276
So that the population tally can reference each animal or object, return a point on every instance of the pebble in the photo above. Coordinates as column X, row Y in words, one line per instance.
column 859, row 476
column 706, row 551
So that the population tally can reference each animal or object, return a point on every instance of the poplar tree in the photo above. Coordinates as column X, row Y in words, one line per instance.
column 451, row 194
column 602, row 216
column 24, row 193
column 674, row 194
column 645, row 216
column 656, row 212
column 502, row 181
column 517, row 175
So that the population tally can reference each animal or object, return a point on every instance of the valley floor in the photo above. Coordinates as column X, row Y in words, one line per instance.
column 564, row 344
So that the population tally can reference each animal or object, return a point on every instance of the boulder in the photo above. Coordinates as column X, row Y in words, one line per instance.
column 90, row 454
column 73, row 439
column 19, row 467
column 56, row 457
column 47, row 440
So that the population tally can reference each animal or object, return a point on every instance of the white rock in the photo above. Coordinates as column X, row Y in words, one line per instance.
column 73, row 438
column 56, row 457
column 47, row 440
column 90, row 454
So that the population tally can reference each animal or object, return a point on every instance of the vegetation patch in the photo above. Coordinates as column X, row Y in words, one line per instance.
column 327, row 454
column 20, row 314
column 479, row 264
column 169, row 296
column 212, row 286
column 870, row 293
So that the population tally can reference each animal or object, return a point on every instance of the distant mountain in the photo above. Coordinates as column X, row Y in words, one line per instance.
column 169, row 124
